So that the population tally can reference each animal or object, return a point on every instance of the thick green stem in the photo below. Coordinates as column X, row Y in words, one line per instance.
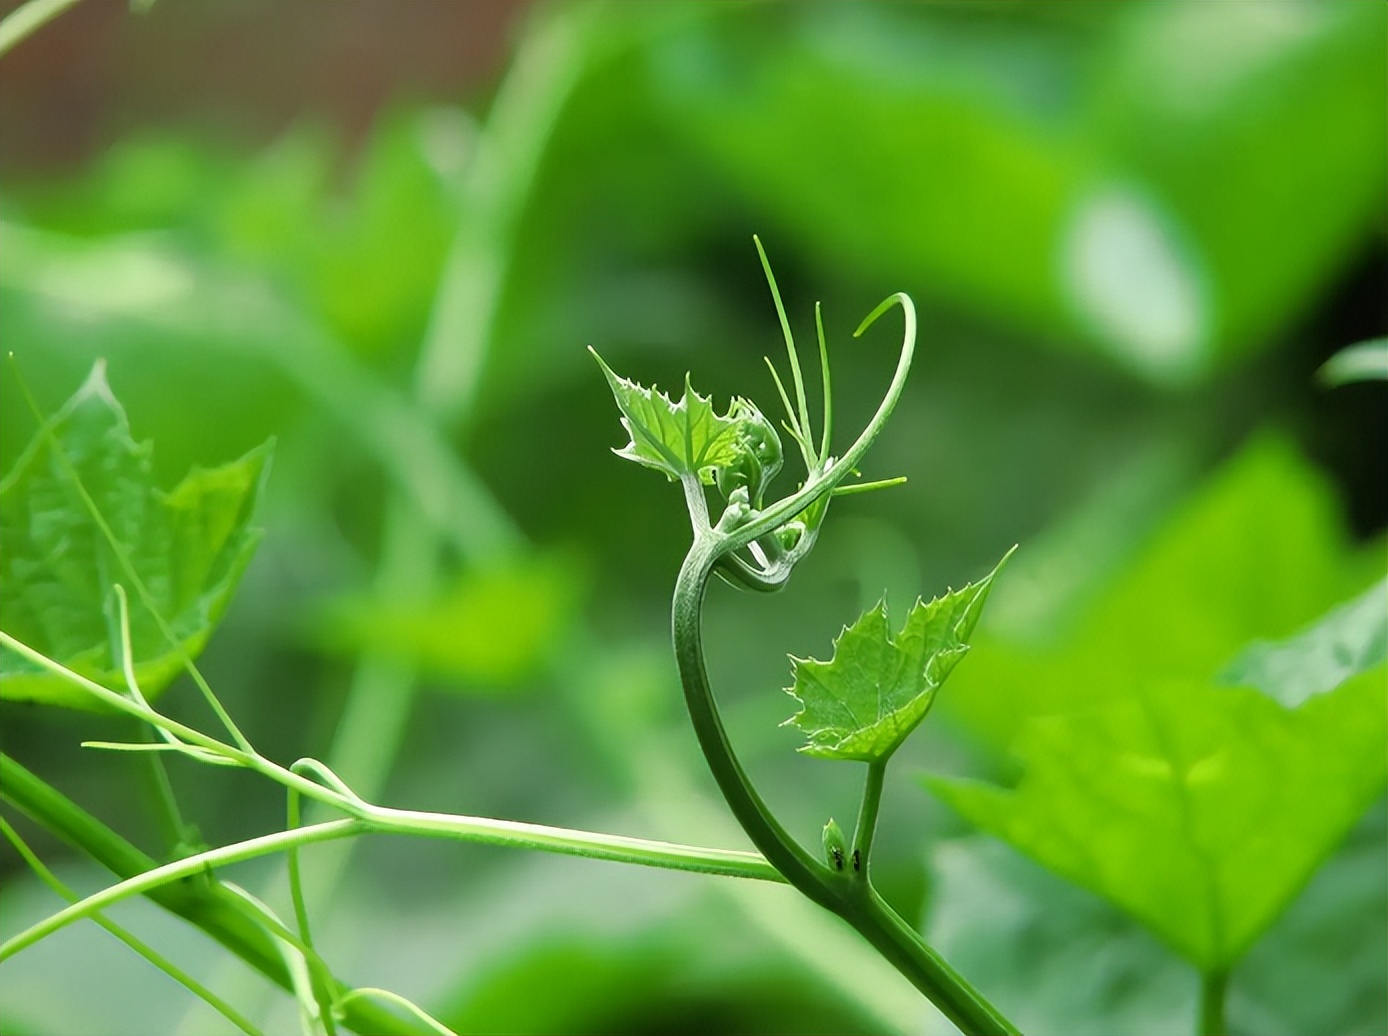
column 780, row 849
column 853, row 900
column 1213, row 985
column 849, row 894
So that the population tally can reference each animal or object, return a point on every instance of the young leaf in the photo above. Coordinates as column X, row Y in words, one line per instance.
column 187, row 548
column 864, row 702
column 684, row 438
column 1199, row 810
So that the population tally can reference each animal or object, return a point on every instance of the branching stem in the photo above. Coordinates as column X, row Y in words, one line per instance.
column 849, row 894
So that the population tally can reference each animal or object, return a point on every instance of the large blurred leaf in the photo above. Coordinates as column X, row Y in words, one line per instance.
column 187, row 548
column 1258, row 553
column 1199, row 810
column 1062, row 962
column 1129, row 180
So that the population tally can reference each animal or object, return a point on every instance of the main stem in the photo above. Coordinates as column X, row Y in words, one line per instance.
column 853, row 900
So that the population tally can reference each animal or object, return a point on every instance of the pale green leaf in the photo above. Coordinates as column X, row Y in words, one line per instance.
column 1345, row 642
column 1367, row 361
column 877, row 688
column 1199, row 810
column 684, row 438
column 187, row 548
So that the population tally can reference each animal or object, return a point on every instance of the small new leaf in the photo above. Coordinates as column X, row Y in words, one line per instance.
column 865, row 701
column 684, row 438
column 187, row 548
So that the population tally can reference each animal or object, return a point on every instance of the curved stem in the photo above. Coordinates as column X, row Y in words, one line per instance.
column 853, row 900
column 849, row 894
column 807, row 874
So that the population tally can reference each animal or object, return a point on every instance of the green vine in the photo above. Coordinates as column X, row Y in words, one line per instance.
column 689, row 442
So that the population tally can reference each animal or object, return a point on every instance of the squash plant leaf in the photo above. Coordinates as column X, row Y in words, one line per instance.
column 876, row 689
column 1257, row 553
column 188, row 547
column 684, row 438
column 1200, row 810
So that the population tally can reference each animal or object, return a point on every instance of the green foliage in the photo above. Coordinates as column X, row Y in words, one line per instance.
column 1258, row 552
column 1223, row 799
column 1064, row 961
column 489, row 630
column 1199, row 810
column 1350, row 639
column 1163, row 259
column 684, row 438
column 865, row 701
column 80, row 512
column 1089, row 202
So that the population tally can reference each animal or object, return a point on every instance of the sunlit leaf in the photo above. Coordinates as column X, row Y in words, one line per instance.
column 187, row 548
column 1258, row 552
column 877, row 688
column 684, row 438
column 1199, row 810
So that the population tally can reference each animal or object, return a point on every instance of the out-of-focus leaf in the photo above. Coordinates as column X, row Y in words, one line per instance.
column 1199, row 810
column 1324, row 966
column 1258, row 552
column 684, row 438
column 1056, row 959
column 1125, row 182
column 490, row 630
column 1367, row 361
column 877, row 688
column 1349, row 640
column 1060, row 961
column 188, row 547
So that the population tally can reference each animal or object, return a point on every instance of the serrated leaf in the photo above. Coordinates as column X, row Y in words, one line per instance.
column 876, row 689
column 1199, row 810
column 684, row 438
column 188, row 547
